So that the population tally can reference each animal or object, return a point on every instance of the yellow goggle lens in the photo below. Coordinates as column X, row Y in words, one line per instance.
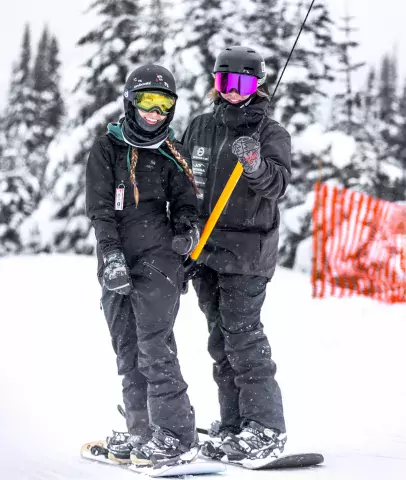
column 149, row 101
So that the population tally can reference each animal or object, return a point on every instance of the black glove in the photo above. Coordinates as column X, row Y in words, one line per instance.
column 191, row 271
column 186, row 237
column 116, row 275
column 248, row 152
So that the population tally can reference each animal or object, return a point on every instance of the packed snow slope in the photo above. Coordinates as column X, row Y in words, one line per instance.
column 341, row 367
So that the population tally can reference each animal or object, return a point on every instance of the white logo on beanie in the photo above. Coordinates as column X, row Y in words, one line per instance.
column 143, row 84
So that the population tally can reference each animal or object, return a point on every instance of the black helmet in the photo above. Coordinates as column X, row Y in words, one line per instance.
column 240, row 59
column 134, row 128
column 149, row 77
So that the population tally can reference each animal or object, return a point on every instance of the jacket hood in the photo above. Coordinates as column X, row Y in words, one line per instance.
column 114, row 129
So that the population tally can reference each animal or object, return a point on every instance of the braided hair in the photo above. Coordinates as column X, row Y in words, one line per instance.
column 183, row 163
column 134, row 160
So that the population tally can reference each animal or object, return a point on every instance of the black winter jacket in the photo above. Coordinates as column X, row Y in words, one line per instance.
column 143, row 233
column 245, row 239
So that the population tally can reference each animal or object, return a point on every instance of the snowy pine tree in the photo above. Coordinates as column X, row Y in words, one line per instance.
column 391, row 168
column 158, row 25
column 387, row 97
column 377, row 166
column 2, row 144
column 301, row 93
column 56, row 108
column 20, row 115
column 270, row 31
column 17, row 200
column 310, row 68
column 205, row 28
column 369, row 142
column 400, row 147
column 346, row 102
column 18, row 189
column 49, row 108
column 48, row 104
column 119, row 43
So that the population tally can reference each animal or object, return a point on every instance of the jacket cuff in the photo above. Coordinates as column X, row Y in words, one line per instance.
column 109, row 249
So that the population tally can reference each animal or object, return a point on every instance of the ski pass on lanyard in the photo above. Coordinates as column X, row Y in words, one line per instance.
column 119, row 202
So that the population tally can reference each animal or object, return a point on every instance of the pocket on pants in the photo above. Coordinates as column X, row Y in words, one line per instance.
column 159, row 272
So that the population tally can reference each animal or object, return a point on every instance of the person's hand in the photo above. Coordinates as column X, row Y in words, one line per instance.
column 248, row 152
column 186, row 237
column 116, row 276
column 191, row 271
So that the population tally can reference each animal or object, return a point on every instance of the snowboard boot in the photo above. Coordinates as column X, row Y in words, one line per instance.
column 217, row 433
column 120, row 446
column 163, row 449
column 255, row 445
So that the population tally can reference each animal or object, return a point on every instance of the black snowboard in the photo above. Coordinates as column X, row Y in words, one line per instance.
column 297, row 460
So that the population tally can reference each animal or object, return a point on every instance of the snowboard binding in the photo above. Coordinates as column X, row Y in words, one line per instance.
column 99, row 450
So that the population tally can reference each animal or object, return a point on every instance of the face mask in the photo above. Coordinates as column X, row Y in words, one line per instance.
column 144, row 125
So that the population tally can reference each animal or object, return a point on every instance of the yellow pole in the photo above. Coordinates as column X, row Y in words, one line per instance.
column 217, row 210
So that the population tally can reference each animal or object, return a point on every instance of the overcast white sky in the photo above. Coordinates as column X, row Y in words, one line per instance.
column 381, row 26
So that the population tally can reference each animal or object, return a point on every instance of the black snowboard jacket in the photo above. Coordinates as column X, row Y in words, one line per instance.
column 245, row 239
column 143, row 232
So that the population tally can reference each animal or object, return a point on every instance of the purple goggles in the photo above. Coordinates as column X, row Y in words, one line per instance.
column 244, row 84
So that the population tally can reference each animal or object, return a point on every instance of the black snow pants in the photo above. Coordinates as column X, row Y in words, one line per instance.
column 243, row 368
column 141, row 329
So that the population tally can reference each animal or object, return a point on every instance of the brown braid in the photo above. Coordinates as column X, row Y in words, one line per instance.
column 183, row 164
column 134, row 160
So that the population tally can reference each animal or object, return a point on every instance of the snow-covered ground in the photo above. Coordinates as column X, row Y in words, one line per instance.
column 341, row 368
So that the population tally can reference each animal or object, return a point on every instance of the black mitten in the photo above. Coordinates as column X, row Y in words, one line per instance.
column 186, row 238
column 248, row 152
column 116, row 276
